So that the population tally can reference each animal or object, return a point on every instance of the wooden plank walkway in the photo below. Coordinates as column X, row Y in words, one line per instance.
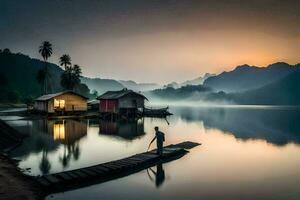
column 73, row 179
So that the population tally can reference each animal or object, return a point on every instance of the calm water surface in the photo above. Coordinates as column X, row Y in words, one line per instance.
column 246, row 153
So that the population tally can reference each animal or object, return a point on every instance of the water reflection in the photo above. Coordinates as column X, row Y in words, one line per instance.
column 45, row 165
column 128, row 130
column 159, row 175
column 47, row 135
column 278, row 126
column 246, row 153
column 53, row 142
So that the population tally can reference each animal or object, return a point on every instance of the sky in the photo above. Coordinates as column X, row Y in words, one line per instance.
column 155, row 40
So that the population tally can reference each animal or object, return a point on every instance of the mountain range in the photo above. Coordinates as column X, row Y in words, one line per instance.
column 246, row 77
column 275, row 84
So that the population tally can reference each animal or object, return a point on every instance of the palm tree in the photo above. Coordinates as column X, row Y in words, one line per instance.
column 70, row 78
column 6, row 51
column 46, row 51
column 65, row 60
column 77, row 71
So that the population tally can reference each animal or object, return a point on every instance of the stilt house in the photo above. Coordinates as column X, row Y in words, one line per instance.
column 122, row 102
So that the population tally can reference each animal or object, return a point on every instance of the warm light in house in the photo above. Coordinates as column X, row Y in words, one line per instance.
column 58, row 103
column 59, row 131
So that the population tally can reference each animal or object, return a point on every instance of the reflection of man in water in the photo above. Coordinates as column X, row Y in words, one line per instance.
column 159, row 175
column 160, row 138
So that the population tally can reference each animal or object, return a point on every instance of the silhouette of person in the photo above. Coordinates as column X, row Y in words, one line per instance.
column 160, row 138
column 159, row 175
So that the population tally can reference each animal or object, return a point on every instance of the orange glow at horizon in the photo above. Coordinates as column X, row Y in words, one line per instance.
column 172, row 53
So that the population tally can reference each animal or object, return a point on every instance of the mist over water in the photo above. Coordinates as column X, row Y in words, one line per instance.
column 191, row 100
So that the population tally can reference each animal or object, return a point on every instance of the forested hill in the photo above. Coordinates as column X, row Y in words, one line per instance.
column 19, row 74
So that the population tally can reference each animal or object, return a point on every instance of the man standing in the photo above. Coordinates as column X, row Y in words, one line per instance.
column 160, row 138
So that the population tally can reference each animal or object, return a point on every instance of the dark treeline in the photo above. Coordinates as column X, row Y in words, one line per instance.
column 24, row 78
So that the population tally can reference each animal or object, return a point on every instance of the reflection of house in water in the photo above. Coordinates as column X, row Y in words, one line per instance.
column 59, row 131
column 68, row 131
column 126, row 129
column 46, row 135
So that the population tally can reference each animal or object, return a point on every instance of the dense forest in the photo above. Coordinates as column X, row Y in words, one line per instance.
column 18, row 75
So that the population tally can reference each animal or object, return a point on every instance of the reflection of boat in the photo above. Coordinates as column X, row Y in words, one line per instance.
column 152, row 111
column 128, row 130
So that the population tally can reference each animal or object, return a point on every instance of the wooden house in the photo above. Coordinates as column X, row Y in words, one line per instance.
column 122, row 102
column 67, row 101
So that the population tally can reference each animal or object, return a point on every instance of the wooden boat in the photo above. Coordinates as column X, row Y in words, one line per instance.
column 151, row 111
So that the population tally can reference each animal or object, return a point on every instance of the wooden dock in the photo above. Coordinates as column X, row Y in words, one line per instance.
column 77, row 178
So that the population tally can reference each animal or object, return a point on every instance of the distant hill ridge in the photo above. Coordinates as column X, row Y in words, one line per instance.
column 245, row 77
column 197, row 81
column 139, row 86
column 285, row 91
column 282, row 91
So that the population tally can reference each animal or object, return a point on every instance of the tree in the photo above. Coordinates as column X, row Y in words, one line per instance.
column 6, row 51
column 65, row 60
column 77, row 71
column 70, row 78
column 46, row 51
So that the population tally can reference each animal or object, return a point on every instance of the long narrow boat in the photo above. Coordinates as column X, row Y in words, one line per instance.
column 150, row 111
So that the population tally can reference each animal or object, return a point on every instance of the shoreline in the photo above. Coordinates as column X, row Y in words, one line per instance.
column 16, row 185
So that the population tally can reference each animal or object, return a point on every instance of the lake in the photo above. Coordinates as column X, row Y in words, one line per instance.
column 247, row 152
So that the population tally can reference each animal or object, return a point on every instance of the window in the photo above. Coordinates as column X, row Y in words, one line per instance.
column 59, row 103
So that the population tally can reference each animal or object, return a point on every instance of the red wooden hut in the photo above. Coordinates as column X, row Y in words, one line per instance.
column 121, row 102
